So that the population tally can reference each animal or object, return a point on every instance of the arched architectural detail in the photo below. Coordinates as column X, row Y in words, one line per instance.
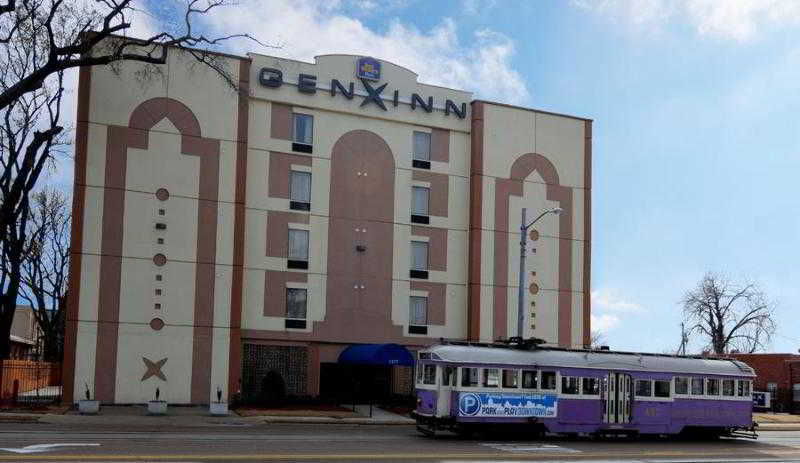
column 524, row 166
column 136, row 135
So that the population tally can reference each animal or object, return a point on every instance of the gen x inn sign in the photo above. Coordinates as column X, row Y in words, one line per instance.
column 371, row 93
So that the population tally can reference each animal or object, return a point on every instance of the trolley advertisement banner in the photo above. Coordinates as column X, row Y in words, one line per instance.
column 481, row 404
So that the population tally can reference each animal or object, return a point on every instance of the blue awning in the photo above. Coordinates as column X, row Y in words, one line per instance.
column 377, row 354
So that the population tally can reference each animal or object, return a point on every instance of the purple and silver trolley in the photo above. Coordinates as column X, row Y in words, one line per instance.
column 463, row 387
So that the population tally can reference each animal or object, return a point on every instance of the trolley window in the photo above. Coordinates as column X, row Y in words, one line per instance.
column 511, row 379
column 569, row 385
column 712, row 386
column 697, row 386
column 661, row 388
column 469, row 377
column 728, row 387
column 449, row 376
column 429, row 374
column 419, row 373
column 591, row 386
column 744, row 388
column 681, row 385
column 643, row 388
column 549, row 380
column 530, row 379
column 491, row 377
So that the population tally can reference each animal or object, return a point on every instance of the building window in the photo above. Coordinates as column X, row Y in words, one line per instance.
column 661, row 388
column 590, row 386
column 712, row 387
column 419, row 260
column 418, row 311
column 298, row 249
column 795, row 392
column 549, row 380
column 569, row 385
column 300, row 190
column 296, row 302
column 682, row 386
column 302, row 132
column 643, row 388
column 697, row 386
column 491, row 377
column 771, row 387
column 469, row 377
column 422, row 150
column 728, row 386
column 419, row 200
column 530, row 379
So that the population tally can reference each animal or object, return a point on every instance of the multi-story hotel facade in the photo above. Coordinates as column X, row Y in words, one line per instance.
column 224, row 231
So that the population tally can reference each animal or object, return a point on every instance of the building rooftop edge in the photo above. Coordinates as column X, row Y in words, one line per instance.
column 525, row 108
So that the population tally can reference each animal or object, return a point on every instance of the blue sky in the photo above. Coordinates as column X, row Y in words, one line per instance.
column 695, row 104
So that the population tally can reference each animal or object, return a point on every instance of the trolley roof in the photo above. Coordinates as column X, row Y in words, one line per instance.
column 606, row 360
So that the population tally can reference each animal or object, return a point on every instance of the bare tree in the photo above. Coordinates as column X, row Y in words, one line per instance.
column 597, row 339
column 729, row 316
column 46, row 268
column 39, row 40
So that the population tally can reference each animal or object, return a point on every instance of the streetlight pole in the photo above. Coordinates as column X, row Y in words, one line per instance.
column 523, row 240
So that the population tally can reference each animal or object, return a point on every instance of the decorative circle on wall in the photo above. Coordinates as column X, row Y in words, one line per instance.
column 533, row 288
column 534, row 235
column 156, row 324
column 162, row 194
column 160, row 259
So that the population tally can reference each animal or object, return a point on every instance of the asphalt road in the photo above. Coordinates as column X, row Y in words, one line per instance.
column 323, row 443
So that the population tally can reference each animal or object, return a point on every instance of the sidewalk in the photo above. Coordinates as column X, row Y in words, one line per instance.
column 777, row 421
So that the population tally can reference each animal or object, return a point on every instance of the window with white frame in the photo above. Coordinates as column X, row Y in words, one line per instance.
column 469, row 377
column 511, row 379
column 298, row 244
column 643, row 388
column 449, row 376
column 712, row 386
column 422, row 146
column 772, row 387
column 549, row 380
column 681, row 385
column 744, row 388
column 530, row 379
column 429, row 374
column 491, row 377
column 570, row 385
column 418, row 308
column 697, row 386
column 419, row 255
column 661, row 388
column 300, row 189
column 296, row 303
column 419, row 200
column 728, row 387
column 590, row 386
column 303, row 128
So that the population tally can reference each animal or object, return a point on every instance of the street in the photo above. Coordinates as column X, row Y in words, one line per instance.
column 304, row 442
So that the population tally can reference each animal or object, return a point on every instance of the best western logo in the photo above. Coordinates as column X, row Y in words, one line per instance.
column 307, row 83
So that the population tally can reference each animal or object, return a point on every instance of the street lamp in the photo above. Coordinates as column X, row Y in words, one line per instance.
column 523, row 239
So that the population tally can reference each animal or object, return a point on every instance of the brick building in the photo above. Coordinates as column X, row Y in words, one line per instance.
column 778, row 374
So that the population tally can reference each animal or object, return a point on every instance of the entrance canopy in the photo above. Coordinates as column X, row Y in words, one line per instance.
column 377, row 354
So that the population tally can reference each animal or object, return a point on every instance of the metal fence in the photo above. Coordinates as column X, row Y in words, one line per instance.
column 28, row 382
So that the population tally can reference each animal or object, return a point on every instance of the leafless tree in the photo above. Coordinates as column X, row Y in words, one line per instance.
column 597, row 339
column 45, row 270
column 729, row 316
column 39, row 41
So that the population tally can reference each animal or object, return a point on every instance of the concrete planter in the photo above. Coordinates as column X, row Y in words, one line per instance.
column 88, row 407
column 156, row 407
column 218, row 409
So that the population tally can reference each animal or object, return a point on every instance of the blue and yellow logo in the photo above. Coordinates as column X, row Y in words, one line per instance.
column 368, row 68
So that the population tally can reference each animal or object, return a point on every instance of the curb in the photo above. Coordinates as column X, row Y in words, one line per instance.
column 778, row 427
column 332, row 420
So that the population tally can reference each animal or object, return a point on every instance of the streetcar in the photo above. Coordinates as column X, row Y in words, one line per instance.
column 465, row 387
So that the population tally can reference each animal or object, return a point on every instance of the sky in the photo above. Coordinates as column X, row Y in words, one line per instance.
column 696, row 137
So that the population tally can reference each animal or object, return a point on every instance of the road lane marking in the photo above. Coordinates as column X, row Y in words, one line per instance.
column 39, row 448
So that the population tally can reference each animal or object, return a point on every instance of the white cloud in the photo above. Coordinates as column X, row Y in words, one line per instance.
column 608, row 300
column 304, row 29
column 739, row 20
column 477, row 6
column 604, row 323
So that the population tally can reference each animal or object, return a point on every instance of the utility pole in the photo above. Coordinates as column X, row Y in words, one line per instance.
column 684, row 340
